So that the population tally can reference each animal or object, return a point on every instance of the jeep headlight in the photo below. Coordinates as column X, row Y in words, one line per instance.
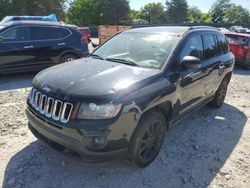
column 98, row 111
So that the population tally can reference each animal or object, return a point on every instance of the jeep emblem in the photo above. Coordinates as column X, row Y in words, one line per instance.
column 47, row 89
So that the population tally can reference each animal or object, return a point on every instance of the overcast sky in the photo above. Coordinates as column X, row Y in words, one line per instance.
column 204, row 5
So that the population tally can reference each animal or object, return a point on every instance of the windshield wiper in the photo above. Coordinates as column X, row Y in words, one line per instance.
column 123, row 61
column 96, row 56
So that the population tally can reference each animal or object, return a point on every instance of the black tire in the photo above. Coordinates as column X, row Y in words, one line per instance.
column 147, row 139
column 220, row 94
column 67, row 58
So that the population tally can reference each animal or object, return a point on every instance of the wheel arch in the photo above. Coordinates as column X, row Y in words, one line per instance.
column 164, row 108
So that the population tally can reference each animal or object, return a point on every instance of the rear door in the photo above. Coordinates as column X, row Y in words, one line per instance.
column 16, row 48
column 213, row 62
column 49, row 43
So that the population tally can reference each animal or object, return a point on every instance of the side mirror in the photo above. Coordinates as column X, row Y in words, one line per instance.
column 190, row 62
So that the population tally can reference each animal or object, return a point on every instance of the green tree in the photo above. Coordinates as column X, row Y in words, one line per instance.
column 153, row 13
column 83, row 12
column 95, row 12
column 223, row 11
column 33, row 7
column 218, row 10
column 5, row 7
column 195, row 15
column 114, row 11
column 134, row 14
column 177, row 11
column 237, row 14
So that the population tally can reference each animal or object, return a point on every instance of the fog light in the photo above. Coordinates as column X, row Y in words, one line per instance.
column 99, row 140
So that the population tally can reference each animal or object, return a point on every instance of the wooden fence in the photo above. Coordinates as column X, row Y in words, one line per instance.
column 107, row 31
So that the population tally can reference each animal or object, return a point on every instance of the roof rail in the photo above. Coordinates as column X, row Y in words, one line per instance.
column 203, row 27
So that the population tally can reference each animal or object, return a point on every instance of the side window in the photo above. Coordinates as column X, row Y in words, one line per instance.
column 223, row 44
column 48, row 33
column 193, row 47
column 17, row 34
column 210, row 49
column 10, row 34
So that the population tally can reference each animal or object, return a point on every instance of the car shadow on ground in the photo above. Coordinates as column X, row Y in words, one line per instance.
column 16, row 81
column 241, row 71
column 193, row 153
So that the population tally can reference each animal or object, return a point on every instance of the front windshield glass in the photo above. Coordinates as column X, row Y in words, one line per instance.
column 142, row 49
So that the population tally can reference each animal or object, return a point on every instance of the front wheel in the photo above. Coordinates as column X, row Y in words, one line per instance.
column 220, row 95
column 67, row 58
column 147, row 139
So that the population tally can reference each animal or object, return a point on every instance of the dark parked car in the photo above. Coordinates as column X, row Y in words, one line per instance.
column 129, row 91
column 240, row 46
column 32, row 45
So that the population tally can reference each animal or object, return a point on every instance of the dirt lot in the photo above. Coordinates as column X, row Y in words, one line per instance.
column 211, row 148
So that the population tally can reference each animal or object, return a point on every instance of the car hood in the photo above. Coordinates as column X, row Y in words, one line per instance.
column 90, row 77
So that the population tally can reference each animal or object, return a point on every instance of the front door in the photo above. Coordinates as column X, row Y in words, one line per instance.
column 16, row 48
column 192, row 82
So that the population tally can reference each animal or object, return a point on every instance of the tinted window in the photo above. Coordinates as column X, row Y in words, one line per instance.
column 47, row 33
column 193, row 47
column 222, row 44
column 17, row 34
column 210, row 49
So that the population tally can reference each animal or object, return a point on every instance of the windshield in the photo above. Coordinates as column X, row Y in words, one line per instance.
column 141, row 49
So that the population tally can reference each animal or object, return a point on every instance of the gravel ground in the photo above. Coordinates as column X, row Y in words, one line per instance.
column 211, row 148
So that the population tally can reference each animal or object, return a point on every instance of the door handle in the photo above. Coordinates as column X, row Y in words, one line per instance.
column 61, row 44
column 28, row 47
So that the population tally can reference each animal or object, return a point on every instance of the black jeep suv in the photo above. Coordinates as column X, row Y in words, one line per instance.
column 34, row 45
column 126, row 94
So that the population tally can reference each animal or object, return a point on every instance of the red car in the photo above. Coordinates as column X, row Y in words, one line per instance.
column 240, row 46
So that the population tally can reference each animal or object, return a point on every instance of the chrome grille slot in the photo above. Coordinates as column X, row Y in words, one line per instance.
column 33, row 97
column 66, row 112
column 50, row 107
column 57, row 110
column 37, row 100
column 42, row 104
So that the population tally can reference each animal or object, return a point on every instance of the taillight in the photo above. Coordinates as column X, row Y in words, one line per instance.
column 85, row 37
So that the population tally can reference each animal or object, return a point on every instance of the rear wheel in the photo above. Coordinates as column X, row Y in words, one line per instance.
column 220, row 94
column 68, row 58
column 147, row 139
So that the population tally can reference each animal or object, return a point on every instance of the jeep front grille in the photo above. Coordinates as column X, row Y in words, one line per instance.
column 50, row 107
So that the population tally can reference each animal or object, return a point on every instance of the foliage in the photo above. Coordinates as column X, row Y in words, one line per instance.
column 95, row 12
column 218, row 10
column 153, row 13
column 134, row 14
column 32, row 7
column 237, row 14
column 195, row 15
column 177, row 11
column 223, row 11
column 114, row 11
column 83, row 12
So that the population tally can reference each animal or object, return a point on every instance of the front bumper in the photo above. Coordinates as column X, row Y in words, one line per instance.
column 80, row 140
